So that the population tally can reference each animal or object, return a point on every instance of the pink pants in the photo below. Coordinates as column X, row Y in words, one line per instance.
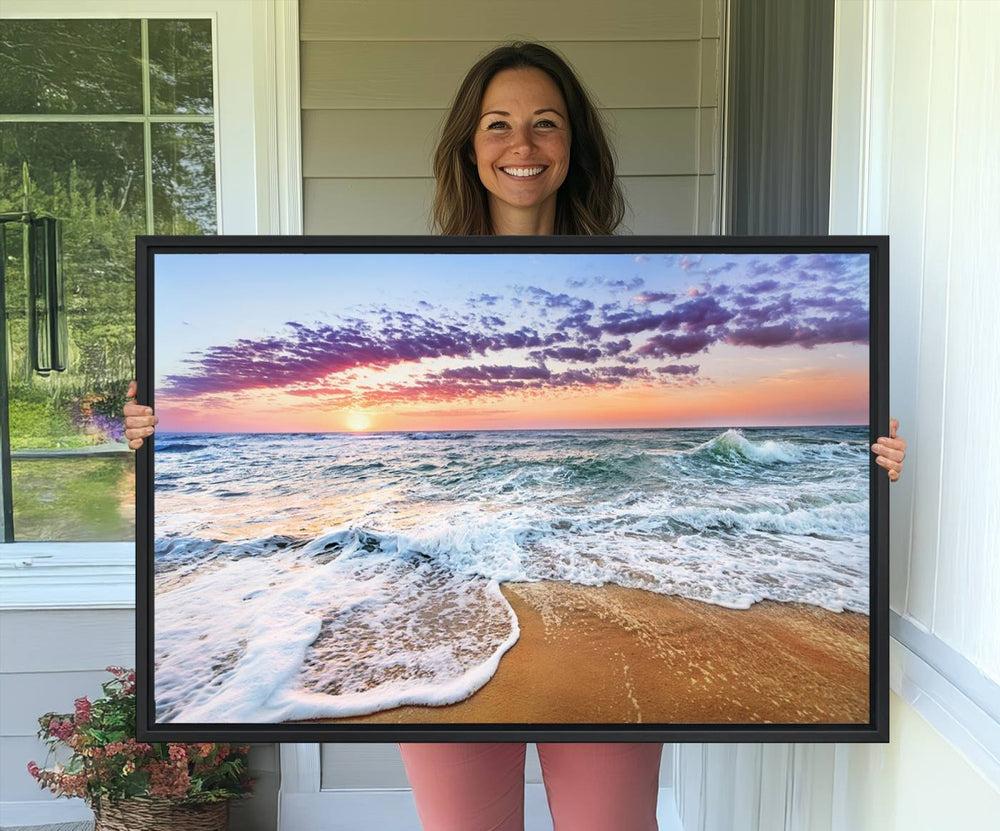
column 480, row 787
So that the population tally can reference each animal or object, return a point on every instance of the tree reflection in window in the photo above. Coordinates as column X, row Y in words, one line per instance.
column 113, row 121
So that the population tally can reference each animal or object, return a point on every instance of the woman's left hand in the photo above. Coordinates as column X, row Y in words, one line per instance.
column 890, row 451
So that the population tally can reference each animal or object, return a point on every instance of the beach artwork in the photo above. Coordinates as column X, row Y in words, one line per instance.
column 512, row 488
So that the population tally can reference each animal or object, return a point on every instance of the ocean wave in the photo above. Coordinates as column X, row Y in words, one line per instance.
column 172, row 446
column 836, row 520
column 732, row 446
column 420, row 436
column 606, row 468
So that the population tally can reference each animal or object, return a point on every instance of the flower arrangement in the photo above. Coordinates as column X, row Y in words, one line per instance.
column 107, row 763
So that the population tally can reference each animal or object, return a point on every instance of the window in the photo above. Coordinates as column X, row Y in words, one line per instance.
column 258, row 170
column 108, row 125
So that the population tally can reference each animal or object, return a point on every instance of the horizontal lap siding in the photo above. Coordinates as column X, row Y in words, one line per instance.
column 377, row 75
column 48, row 659
column 656, row 205
column 353, row 143
column 377, row 79
column 489, row 20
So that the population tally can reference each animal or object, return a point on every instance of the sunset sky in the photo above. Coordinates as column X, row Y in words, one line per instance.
column 344, row 342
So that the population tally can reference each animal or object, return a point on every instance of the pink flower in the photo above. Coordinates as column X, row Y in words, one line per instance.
column 139, row 748
column 34, row 770
column 168, row 779
column 177, row 753
column 83, row 708
column 61, row 729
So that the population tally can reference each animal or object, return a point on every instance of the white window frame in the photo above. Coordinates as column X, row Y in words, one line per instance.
column 259, row 191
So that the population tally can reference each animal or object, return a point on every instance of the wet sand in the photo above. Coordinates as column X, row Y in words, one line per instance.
column 614, row 655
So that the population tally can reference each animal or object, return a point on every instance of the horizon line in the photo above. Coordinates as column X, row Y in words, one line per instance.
column 480, row 430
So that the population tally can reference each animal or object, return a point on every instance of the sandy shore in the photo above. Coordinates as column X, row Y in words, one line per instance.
column 614, row 655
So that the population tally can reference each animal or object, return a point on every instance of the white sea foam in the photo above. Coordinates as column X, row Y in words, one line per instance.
column 297, row 635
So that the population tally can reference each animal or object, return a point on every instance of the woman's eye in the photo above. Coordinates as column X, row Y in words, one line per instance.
column 496, row 124
column 545, row 123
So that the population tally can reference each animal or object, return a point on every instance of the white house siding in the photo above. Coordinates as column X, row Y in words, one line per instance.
column 377, row 78
column 47, row 659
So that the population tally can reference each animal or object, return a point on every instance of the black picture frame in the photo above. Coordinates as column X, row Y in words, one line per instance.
column 875, row 729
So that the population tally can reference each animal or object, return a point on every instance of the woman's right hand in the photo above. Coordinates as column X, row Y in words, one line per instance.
column 139, row 419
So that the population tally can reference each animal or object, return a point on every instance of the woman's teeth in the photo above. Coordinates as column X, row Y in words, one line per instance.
column 522, row 172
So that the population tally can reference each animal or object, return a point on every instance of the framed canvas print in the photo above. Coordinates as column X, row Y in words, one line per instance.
column 543, row 489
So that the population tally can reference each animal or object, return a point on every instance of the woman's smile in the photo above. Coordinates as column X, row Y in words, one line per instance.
column 524, row 172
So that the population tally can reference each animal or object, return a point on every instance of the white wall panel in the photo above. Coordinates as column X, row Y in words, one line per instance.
column 362, row 766
column 967, row 615
column 935, row 248
column 66, row 641
column 906, row 129
column 931, row 169
column 25, row 696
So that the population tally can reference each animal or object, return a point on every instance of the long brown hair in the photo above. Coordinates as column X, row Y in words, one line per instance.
column 590, row 200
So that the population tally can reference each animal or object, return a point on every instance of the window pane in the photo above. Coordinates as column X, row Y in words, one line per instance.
column 90, row 176
column 70, row 66
column 75, row 499
column 184, row 179
column 180, row 66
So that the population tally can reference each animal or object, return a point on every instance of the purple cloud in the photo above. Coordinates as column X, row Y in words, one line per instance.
column 762, row 286
column 616, row 347
column 676, row 346
column 576, row 354
column 654, row 296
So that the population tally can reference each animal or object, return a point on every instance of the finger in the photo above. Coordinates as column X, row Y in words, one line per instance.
column 136, row 410
column 140, row 421
column 135, row 444
column 893, row 426
column 894, row 444
column 133, row 388
column 892, row 453
column 138, row 432
column 893, row 475
column 888, row 464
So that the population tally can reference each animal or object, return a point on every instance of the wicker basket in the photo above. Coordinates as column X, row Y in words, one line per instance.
column 161, row 815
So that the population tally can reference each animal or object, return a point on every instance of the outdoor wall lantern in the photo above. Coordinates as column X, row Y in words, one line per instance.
column 47, row 332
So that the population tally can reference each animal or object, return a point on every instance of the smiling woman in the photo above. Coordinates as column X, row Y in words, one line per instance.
column 521, row 108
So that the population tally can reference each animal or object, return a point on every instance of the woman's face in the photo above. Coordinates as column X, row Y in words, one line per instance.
column 522, row 142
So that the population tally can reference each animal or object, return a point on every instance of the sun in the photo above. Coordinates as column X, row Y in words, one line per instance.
column 356, row 421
